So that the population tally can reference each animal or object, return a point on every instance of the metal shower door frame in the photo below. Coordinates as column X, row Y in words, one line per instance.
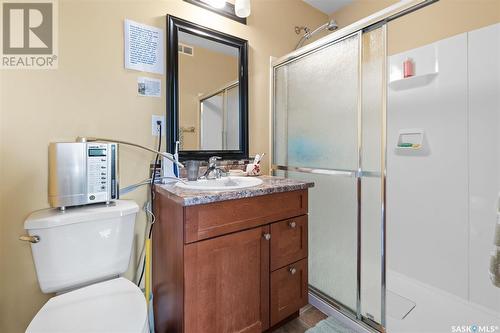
column 358, row 174
column 378, row 20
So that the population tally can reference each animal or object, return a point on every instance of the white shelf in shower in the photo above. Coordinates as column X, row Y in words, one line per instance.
column 412, row 81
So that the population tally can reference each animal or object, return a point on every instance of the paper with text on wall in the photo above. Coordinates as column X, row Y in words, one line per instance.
column 143, row 47
column 147, row 86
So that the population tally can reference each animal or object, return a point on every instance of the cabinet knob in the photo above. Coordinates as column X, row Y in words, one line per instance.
column 267, row 236
column 292, row 224
column 292, row 270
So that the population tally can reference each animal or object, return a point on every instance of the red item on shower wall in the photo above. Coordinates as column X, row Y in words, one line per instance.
column 408, row 68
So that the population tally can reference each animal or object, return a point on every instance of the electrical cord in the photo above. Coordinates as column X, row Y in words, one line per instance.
column 141, row 261
column 153, row 178
column 142, row 270
column 151, row 203
column 142, row 257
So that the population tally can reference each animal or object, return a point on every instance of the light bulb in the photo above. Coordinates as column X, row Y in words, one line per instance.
column 242, row 8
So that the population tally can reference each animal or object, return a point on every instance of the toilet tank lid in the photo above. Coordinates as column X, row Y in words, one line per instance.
column 54, row 217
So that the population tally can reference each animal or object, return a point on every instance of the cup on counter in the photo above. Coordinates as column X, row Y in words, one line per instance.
column 253, row 169
column 192, row 168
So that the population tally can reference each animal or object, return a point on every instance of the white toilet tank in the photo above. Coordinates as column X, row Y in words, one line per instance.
column 81, row 245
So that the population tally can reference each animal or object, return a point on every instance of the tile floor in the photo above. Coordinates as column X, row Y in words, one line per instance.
column 309, row 317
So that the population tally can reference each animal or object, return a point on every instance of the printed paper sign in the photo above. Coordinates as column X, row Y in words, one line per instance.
column 143, row 47
column 148, row 87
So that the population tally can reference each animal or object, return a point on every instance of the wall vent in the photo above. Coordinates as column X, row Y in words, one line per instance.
column 186, row 49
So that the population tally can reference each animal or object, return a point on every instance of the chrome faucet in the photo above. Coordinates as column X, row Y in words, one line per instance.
column 213, row 171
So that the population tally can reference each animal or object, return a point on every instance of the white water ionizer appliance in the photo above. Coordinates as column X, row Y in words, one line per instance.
column 82, row 173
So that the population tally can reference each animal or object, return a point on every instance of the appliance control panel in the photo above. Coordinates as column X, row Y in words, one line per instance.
column 100, row 172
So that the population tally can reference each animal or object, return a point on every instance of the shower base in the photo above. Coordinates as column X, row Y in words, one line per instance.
column 435, row 310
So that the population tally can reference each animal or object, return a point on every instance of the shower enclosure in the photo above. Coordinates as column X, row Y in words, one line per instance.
column 331, row 103
column 328, row 124
column 328, row 116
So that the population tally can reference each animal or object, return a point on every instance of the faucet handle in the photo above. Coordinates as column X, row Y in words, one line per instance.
column 213, row 159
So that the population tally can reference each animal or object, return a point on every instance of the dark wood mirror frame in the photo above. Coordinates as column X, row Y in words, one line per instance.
column 174, row 25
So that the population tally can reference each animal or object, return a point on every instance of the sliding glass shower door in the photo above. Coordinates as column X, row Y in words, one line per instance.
column 318, row 135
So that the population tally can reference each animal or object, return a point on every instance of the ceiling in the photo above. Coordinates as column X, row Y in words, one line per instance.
column 193, row 40
column 328, row 6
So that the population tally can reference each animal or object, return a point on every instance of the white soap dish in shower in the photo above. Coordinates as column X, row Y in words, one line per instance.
column 410, row 139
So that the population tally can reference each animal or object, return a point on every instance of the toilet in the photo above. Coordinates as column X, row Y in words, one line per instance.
column 80, row 256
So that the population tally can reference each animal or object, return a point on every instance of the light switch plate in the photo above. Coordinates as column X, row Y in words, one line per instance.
column 154, row 124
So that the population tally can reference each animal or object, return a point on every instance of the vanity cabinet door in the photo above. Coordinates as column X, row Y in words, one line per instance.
column 227, row 283
column 288, row 290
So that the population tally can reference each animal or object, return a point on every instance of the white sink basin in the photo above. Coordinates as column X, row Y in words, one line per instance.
column 222, row 184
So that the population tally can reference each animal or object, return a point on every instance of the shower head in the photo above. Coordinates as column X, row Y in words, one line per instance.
column 332, row 25
column 329, row 26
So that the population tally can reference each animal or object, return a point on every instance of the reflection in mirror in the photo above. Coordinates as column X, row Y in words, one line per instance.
column 209, row 109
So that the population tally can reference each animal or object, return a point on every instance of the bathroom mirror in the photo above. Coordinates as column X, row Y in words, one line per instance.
column 207, row 104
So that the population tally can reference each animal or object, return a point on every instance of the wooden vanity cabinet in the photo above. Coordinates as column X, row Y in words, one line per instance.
column 227, row 283
column 229, row 266
column 288, row 290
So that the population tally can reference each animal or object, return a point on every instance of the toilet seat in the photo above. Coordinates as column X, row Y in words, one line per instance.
column 116, row 305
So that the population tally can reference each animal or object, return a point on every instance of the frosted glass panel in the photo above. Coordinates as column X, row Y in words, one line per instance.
column 332, row 236
column 373, row 58
column 280, row 116
column 321, row 100
column 212, row 113
column 316, row 125
column 371, row 287
column 316, row 108
column 232, row 125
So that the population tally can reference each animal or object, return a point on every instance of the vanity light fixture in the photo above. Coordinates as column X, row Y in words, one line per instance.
column 222, row 7
column 219, row 4
column 242, row 8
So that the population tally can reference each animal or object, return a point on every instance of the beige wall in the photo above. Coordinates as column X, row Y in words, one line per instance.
column 439, row 20
column 92, row 94
column 202, row 73
column 359, row 9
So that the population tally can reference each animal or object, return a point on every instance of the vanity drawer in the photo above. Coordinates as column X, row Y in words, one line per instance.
column 289, row 287
column 288, row 241
column 220, row 218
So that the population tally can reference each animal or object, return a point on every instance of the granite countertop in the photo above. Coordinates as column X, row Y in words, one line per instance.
column 270, row 185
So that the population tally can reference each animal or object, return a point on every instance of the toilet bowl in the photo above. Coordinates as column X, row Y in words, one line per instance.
column 80, row 254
